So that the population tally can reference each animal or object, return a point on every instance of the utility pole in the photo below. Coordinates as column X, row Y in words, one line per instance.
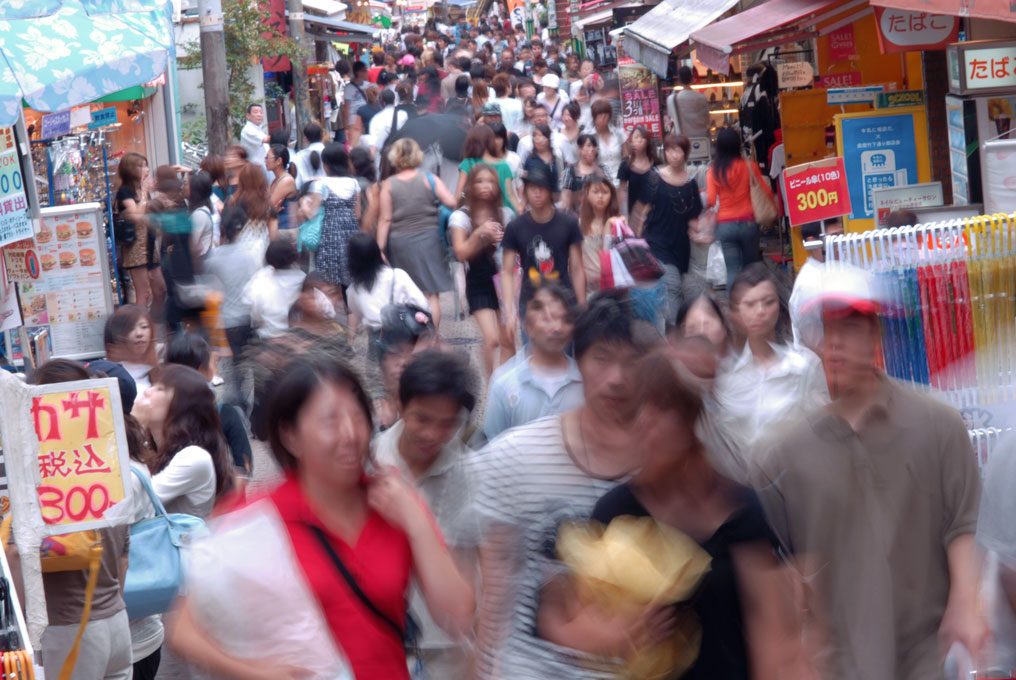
column 301, row 96
column 213, row 69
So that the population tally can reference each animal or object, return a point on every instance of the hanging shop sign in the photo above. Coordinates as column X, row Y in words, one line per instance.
column 841, row 44
column 853, row 95
column 795, row 74
column 893, row 100
column 901, row 30
column 82, row 457
column 14, row 222
column 640, row 104
column 983, row 67
column 21, row 261
column 816, row 191
column 839, row 80
column 103, row 117
column 56, row 124
column 926, row 195
column 879, row 151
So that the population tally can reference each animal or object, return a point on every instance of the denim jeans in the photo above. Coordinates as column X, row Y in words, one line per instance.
column 672, row 280
column 740, row 244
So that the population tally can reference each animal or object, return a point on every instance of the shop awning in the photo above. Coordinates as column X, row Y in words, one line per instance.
column 327, row 7
column 1002, row 10
column 81, row 52
column 652, row 38
column 336, row 30
column 772, row 23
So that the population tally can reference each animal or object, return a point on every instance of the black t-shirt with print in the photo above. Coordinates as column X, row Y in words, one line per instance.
column 542, row 248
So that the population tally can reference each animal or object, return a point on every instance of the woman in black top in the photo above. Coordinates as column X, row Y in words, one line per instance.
column 742, row 602
column 634, row 170
column 669, row 204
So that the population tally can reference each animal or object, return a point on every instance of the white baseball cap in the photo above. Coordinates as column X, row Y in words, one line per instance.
column 551, row 80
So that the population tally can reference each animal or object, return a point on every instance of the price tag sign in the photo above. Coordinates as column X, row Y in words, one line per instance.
column 14, row 222
column 56, row 124
column 816, row 191
column 82, row 457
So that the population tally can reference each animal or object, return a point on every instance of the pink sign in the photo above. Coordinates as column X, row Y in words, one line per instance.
column 852, row 79
column 841, row 43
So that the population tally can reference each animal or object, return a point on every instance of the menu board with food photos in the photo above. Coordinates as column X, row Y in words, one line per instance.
column 70, row 292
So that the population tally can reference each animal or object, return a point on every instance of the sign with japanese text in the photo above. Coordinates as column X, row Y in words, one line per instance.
column 14, row 222
column 841, row 43
column 816, row 191
column 103, row 117
column 984, row 67
column 795, row 74
column 853, row 95
column 878, row 152
column 900, row 30
column 21, row 260
column 82, row 457
column 276, row 22
column 56, row 124
column 892, row 100
column 640, row 103
column 6, row 138
column 923, row 195
column 839, row 80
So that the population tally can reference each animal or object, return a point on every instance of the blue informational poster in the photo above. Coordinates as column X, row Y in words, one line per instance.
column 878, row 152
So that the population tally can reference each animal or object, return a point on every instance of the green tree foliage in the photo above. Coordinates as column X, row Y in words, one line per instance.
column 249, row 38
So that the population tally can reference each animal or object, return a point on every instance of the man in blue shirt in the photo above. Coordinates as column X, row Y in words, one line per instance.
column 543, row 381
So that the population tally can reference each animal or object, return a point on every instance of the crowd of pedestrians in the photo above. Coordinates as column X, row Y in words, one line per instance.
column 293, row 296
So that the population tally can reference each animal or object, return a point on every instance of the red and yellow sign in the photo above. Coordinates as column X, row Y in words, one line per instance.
column 816, row 191
column 79, row 461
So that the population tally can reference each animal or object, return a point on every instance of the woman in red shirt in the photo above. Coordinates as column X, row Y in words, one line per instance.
column 728, row 182
column 319, row 427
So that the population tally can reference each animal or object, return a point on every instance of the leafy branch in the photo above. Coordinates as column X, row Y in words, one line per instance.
column 249, row 38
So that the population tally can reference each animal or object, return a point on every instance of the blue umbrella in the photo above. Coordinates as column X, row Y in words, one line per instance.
column 27, row 9
column 71, row 57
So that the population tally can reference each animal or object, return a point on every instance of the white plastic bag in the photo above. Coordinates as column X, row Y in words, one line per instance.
column 716, row 266
column 247, row 592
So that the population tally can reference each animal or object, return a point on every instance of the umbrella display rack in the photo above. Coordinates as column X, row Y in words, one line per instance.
column 949, row 318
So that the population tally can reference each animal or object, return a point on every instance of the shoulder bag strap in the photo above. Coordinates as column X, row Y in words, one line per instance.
column 351, row 582
column 391, row 296
column 160, row 509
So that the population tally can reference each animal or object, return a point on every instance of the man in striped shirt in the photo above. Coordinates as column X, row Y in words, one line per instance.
column 537, row 476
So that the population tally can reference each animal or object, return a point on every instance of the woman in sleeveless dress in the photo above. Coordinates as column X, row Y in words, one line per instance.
column 408, row 223
column 339, row 193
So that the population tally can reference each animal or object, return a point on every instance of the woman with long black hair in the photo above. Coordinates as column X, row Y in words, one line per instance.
column 728, row 182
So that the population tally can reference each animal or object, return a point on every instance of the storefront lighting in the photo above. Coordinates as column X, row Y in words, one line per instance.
column 723, row 111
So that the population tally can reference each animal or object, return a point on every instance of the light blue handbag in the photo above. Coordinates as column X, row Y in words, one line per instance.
column 155, row 567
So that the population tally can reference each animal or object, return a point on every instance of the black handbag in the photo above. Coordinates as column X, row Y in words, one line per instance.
column 124, row 232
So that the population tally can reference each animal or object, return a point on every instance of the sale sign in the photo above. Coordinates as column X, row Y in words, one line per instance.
column 900, row 30
column 640, row 103
column 841, row 43
column 14, row 222
column 816, row 191
column 82, row 457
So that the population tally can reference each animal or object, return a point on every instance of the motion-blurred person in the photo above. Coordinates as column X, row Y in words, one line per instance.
column 481, row 147
column 688, row 108
column 808, row 282
column 273, row 290
column 768, row 380
column 545, row 381
column 262, row 222
column 338, row 194
column 475, row 231
column 347, row 540
column 305, row 170
column 996, row 535
column 588, row 165
column 190, row 349
column 612, row 143
column 205, row 223
column 426, row 448
column 408, row 223
column 139, row 258
column 743, row 604
column 702, row 317
column 875, row 495
column 634, row 171
column 129, row 337
column 282, row 192
column 670, row 204
column 538, row 476
column 375, row 285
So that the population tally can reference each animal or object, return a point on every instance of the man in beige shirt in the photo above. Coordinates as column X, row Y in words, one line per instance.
column 875, row 497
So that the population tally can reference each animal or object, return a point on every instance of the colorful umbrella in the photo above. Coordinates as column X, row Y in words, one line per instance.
column 81, row 52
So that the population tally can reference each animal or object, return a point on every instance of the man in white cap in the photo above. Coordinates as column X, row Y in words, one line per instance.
column 875, row 497
column 554, row 99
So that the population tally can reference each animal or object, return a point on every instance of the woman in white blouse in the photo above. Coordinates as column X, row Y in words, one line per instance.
column 611, row 140
column 769, row 380
column 375, row 285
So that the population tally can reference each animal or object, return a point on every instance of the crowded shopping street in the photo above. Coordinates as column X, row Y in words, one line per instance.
column 507, row 339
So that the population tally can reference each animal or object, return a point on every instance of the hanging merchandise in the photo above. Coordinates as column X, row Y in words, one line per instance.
column 950, row 293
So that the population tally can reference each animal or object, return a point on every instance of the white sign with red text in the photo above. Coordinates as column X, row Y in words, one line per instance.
column 900, row 30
